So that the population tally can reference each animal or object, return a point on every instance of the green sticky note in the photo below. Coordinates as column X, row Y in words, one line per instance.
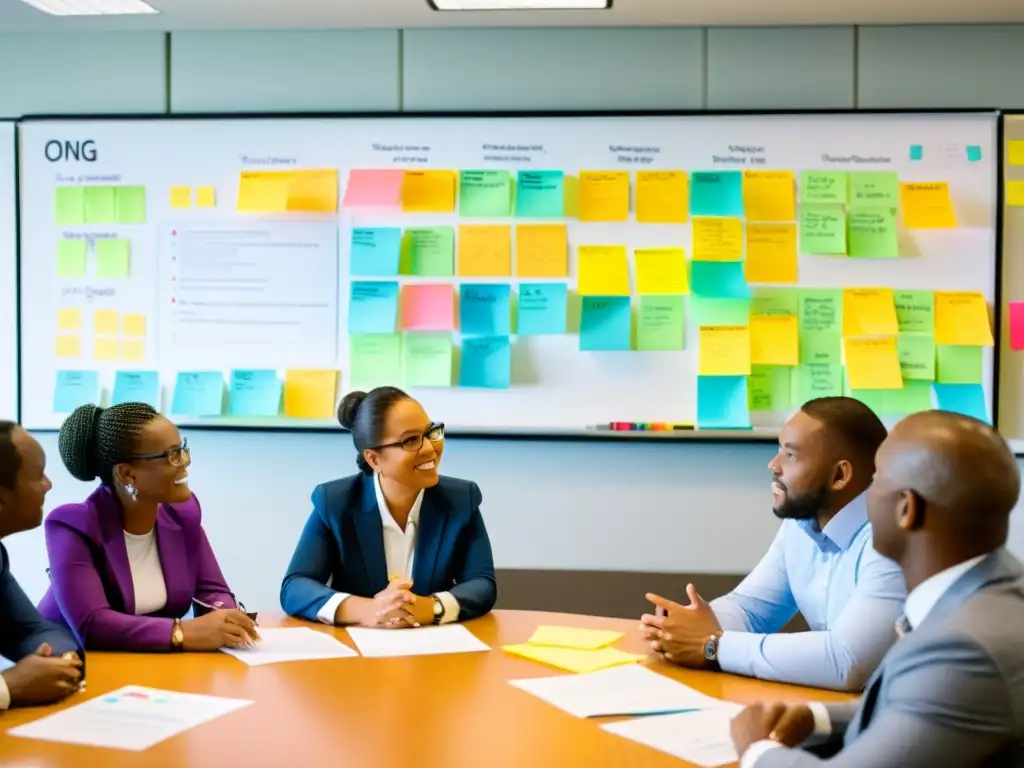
column 374, row 360
column 820, row 348
column 958, row 365
column 879, row 189
column 719, row 311
column 71, row 258
column 100, row 205
column 428, row 252
column 872, row 233
column 768, row 388
column 69, row 206
column 917, row 356
column 775, row 301
column 915, row 311
column 820, row 310
column 823, row 187
column 813, row 381
column 915, row 396
column 113, row 258
column 823, row 230
column 661, row 324
column 131, row 205
column 485, row 193
column 427, row 359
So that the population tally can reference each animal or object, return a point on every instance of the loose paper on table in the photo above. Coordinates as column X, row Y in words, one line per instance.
column 571, row 659
column 702, row 737
column 291, row 644
column 421, row 641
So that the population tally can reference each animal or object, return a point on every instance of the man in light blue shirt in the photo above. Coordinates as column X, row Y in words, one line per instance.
column 821, row 564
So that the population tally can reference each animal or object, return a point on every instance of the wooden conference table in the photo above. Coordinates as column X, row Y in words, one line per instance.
column 451, row 711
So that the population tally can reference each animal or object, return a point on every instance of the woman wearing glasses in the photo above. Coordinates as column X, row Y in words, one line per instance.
column 128, row 562
column 399, row 545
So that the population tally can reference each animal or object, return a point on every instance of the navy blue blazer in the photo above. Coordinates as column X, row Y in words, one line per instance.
column 344, row 541
column 22, row 629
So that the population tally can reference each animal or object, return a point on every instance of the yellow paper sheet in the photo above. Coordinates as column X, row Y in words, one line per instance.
column 662, row 197
column 603, row 271
column 542, row 250
column 724, row 350
column 134, row 325
column 67, row 345
column 105, row 350
column 1015, row 193
column 661, row 271
column 314, row 191
column 869, row 312
column 926, row 205
column 1015, row 152
column 105, row 322
column 485, row 250
column 572, row 660
column 873, row 363
column 263, row 192
column 771, row 253
column 769, row 195
column 604, row 196
column 429, row 191
column 133, row 351
column 206, row 197
column 310, row 393
column 181, row 197
column 774, row 340
column 574, row 637
column 962, row 319
column 717, row 239
column 69, row 319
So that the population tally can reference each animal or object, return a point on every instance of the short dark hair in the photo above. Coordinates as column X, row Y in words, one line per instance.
column 93, row 440
column 10, row 459
column 850, row 422
column 364, row 414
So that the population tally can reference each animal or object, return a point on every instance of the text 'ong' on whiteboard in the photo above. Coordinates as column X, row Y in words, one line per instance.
column 514, row 273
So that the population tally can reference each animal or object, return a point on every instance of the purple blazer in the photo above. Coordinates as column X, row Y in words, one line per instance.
column 91, row 589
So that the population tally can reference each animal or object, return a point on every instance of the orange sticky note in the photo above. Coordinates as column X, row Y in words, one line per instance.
column 771, row 253
column 774, row 340
column 310, row 393
column 485, row 250
column 313, row 191
column 134, row 325
column 1014, row 192
column 661, row 271
column 206, row 197
column 69, row 319
column 603, row 271
column 769, row 195
column 962, row 319
column 662, row 197
column 927, row 205
column 724, row 350
column 181, row 197
column 873, row 363
column 372, row 188
column 604, row 196
column 104, row 350
column 717, row 239
column 133, row 351
column 429, row 191
column 542, row 250
column 262, row 192
column 869, row 312
column 428, row 307
column 104, row 321
column 67, row 345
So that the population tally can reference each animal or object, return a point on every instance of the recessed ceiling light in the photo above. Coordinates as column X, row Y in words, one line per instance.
column 91, row 7
column 520, row 5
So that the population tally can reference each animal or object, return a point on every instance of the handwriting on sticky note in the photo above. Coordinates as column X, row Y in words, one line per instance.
column 771, row 253
column 429, row 191
column 429, row 251
column 485, row 309
column 774, row 340
column 280, row 191
column 876, row 189
column 136, row 387
column 71, row 256
column 541, row 250
column 69, row 319
column 105, row 322
column 181, row 197
column 540, row 194
column 717, row 239
column 206, row 197
column 373, row 307
column 486, row 362
column 927, row 205
column 485, row 250
column 776, row 301
column 661, row 324
column 262, row 192
column 770, row 388
column 818, row 380
column 662, row 197
column 428, row 307
column 603, row 270
column 1016, row 311
column 917, row 356
column 67, row 345
column 113, row 258
column 605, row 324
column 829, row 187
column 374, row 360
column 542, row 308
column 724, row 351
column 485, row 193
column 769, row 196
column 254, row 393
column 375, row 251
column 310, row 393
column 371, row 188
column 872, row 233
column 915, row 311
column 661, row 271
column 716, row 193
column 427, row 360
column 869, row 312
column 823, row 229
column 75, row 388
column 604, row 196
column 962, row 319
column 873, row 363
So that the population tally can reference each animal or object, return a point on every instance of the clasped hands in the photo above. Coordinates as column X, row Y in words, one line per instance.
column 679, row 636
column 42, row 678
column 396, row 607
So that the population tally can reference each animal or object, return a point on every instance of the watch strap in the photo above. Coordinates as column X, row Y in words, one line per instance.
column 438, row 609
column 177, row 636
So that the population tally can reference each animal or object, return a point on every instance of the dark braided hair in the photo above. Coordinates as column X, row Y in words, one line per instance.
column 94, row 440
column 10, row 460
column 363, row 414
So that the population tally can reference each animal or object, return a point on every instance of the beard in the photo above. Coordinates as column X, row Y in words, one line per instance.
column 802, row 506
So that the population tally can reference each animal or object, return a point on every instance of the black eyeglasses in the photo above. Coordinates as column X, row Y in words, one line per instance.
column 176, row 455
column 434, row 433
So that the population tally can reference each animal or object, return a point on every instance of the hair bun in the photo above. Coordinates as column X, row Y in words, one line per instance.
column 348, row 406
column 76, row 442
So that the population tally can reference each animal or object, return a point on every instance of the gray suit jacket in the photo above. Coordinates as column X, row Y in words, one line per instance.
column 950, row 693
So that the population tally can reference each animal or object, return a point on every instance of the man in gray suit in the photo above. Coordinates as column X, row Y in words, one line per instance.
column 951, row 691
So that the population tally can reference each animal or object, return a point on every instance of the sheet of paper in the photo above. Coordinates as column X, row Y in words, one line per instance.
column 769, row 196
column 716, row 193
column 131, row 205
column 1014, row 192
column 131, row 718
column 823, row 230
column 542, row 308
column 485, row 193
column 702, row 738
column 67, row 345
column 262, row 192
column 373, row 188
column 718, row 239
column 313, row 191
column 113, row 258
column 374, row 360
column 310, row 393
column 105, row 322
column 75, row 388
column 770, row 388
column 485, row 309
column 428, row 251
column 421, row 641
column 724, row 351
column 1015, row 152
column 206, row 197
column 486, row 361
column 915, row 311
column 136, row 387
column 873, row 363
column 373, row 306
column 604, row 196
column 775, row 301
column 428, row 307
column 134, row 325
column 1016, row 312
column 968, row 399
column 540, row 194
column 869, row 312
column 69, row 206
column 574, row 637
column 181, row 197
column 662, row 197
column 542, row 250
column 917, row 356
column 603, row 270
column 962, row 319
column 278, row 645
column 574, row 660
column 718, row 280
column 429, row 191
column 485, row 250
column 722, row 402
column 427, row 359
column 69, row 319
column 774, row 340
column 661, row 271
column 198, row 393
column 375, row 251
column 605, row 324
column 771, row 253
column 876, row 189
column 872, row 233
column 71, row 255
column 100, row 205
column 105, row 350
column 927, row 205
column 827, row 187
column 958, row 365
column 254, row 392
column 661, row 324
column 816, row 380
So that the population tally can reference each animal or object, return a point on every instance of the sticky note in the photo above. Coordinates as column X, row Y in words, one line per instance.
column 485, row 309
column 828, row 187
column 572, row 660
column 605, row 323
column 769, row 388
column 69, row 319
column 661, row 271
column 927, row 205
column 724, row 351
column 961, row 319
column 181, row 197
column 374, row 360
column 820, row 310
column 817, row 380
column 310, row 393
column 485, row 193
column 375, row 251
column 574, row 637
column 604, row 196
column 661, row 324
column 769, row 196
column 719, row 311
column 873, row 363
column 1016, row 311
column 823, row 230
column 71, row 258
column 131, row 205
column 313, row 191
column 427, row 360
column 775, row 301
column 771, row 253
column 603, row 271
column 1015, row 192
column 105, row 322
column 428, row 191
column 69, row 206
column 485, row 250
column 67, row 345
column 916, row 353
column 105, row 350
column 486, row 361
column 717, row 239
column 100, row 205
column 75, row 388
column 869, row 312
column 662, row 197
column 871, row 233
column 540, row 194
column 968, row 399
column 1015, row 152
column 136, row 387
column 722, row 402
column 542, row 308
column 133, row 351
column 428, row 251
column 254, row 392
column 774, row 340
column 716, row 193
column 912, row 397
column 371, row 188
column 113, row 257
column 957, row 365
column 915, row 311
column 820, row 347
column 973, row 153
column 206, row 197
column 373, row 307
column 542, row 250
column 916, row 152
column 571, row 197
column 428, row 307
column 198, row 393
column 262, row 192
column 875, row 189
column 134, row 325
column 718, row 280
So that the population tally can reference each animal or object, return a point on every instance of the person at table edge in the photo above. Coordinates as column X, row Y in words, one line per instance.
column 821, row 563
column 400, row 545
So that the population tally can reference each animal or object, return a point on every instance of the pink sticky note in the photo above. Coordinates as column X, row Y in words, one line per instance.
column 370, row 188
column 428, row 308
column 1017, row 325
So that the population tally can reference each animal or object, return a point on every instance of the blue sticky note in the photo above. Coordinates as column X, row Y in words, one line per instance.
column 540, row 194
column 75, row 388
column 375, row 252
column 485, row 309
column 542, row 308
column 136, row 387
column 254, row 393
column 916, row 152
column 198, row 393
column 373, row 307
column 486, row 361
column 973, row 153
column 719, row 280
column 722, row 402
column 968, row 399
column 605, row 323
column 716, row 193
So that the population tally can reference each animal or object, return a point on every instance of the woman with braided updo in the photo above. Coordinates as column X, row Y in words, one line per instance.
column 131, row 560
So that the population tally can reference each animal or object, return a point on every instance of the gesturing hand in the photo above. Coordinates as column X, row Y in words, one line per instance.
column 42, row 679
column 219, row 629
column 680, row 634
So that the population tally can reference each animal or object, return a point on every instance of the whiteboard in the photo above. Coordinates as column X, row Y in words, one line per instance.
column 8, row 275
column 1011, row 367
column 555, row 387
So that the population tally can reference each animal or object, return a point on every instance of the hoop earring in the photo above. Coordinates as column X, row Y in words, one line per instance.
column 132, row 491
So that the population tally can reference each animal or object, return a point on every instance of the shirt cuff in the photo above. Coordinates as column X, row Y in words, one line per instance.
column 822, row 722
column 330, row 608
column 736, row 651
column 451, row 607
column 756, row 751
column 5, row 694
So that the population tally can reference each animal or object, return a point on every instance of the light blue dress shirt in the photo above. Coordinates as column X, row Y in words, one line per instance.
column 849, row 595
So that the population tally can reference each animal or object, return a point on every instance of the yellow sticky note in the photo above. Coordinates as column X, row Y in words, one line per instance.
column 771, row 253
column 69, row 319
column 571, row 197
column 485, row 250
column 181, row 197
column 572, row 660
column 104, row 322
column 724, row 350
column 869, row 312
column 206, row 197
column 774, row 340
column 574, row 637
column 1015, row 192
column 542, row 250
column 262, row 192
column 310, row 393
column 603, row 271
column 104, row 350
column 429, row 191
column 661, row 271
column 314, row 191
column 717, row 239
column 662, row 197
column 133, row 351
column 769, row 195
column 873, row 363
column 134, row 325
column 1015, row 152
column 962, row 319
column 927, row 205
column 604, row 196
column 68, row 346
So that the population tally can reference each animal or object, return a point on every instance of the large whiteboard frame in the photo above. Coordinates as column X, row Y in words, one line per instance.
column 10, row 376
